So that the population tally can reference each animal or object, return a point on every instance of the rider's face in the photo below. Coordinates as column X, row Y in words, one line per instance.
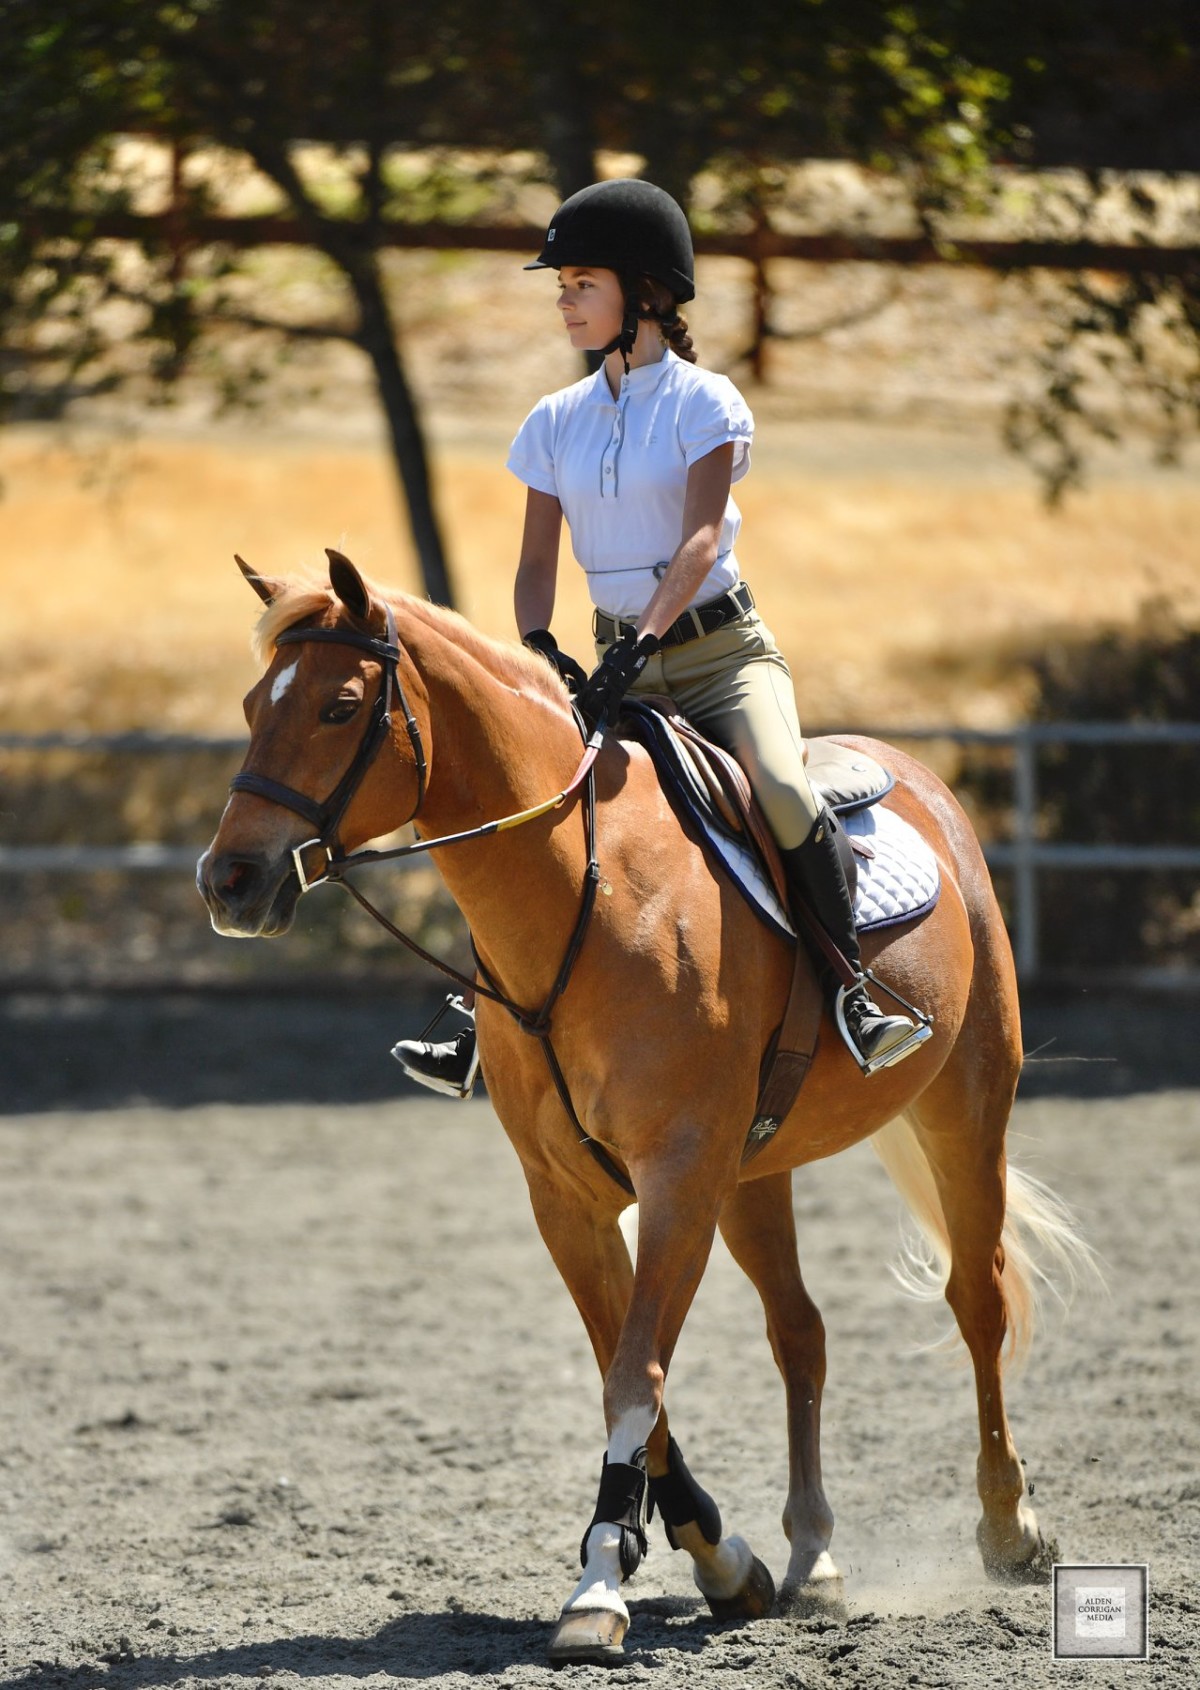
column 592, row 306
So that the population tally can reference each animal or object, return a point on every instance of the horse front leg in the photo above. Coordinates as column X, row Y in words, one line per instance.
column 590, row 1253
column 733, row 1581
column 677, row 1223
column 758, row 1225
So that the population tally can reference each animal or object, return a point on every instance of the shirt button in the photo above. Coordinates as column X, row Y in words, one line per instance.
column 608, row 469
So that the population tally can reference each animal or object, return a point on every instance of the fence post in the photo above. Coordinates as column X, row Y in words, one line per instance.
column 761, row 297
column 1025, row 887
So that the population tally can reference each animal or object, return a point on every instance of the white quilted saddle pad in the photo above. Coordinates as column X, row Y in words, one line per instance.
column 897, row 882
column 900, row 880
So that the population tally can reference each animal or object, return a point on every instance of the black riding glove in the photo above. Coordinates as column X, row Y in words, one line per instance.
column 613, row 676
column 544, row 643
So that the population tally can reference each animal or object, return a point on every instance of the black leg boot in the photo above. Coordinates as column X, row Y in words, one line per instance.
column 449, row 1067
column 816, row 877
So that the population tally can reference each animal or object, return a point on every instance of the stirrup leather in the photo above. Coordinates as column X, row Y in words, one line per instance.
column 920, row 1033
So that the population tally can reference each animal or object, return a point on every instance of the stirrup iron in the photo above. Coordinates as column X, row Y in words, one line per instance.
column 920, row 1033
column 452, row 1000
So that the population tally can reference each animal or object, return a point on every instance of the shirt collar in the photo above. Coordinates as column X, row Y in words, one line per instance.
column 644, row 379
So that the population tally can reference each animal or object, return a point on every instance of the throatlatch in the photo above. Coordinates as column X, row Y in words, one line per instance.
column 622, row 1502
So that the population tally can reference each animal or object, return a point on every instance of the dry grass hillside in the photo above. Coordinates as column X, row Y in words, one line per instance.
column 907, row 565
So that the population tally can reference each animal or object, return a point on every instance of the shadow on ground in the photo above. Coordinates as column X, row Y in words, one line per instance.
column 176, row 1049
column 413, row 1646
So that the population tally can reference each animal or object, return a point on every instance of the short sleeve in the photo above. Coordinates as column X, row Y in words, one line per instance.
column 715, row 414
column 531, row 455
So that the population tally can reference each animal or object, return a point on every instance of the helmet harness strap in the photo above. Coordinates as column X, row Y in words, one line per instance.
column 635, row 314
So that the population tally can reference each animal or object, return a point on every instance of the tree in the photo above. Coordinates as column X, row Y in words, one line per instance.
column 245, row 77
column 935, row 90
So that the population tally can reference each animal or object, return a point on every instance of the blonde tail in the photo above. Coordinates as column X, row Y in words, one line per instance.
column 1036, row 1223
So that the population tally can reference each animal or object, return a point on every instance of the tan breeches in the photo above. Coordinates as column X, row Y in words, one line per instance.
column 736, row 687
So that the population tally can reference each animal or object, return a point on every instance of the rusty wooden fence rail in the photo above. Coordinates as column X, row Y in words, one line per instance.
column 757, row 244
column 1025, row 854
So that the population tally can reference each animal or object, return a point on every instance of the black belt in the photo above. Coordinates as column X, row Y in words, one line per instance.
column 701, row 619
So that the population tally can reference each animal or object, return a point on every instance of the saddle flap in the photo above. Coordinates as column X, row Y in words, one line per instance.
column 708, row 783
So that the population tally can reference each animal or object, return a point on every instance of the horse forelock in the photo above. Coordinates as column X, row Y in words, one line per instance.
column 298, row 600
column 307, row 596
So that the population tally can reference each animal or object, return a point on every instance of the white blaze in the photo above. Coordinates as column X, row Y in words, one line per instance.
column 283, row 681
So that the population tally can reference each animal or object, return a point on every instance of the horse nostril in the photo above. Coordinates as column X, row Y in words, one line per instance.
column 236, row 878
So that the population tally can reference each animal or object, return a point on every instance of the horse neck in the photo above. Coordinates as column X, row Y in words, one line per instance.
column 498, row 746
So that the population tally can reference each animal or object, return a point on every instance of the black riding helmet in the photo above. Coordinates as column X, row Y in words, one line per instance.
column 629, row 226
column 625, row 225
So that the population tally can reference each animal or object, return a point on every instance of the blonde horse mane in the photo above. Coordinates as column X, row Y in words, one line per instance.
column 308, row 595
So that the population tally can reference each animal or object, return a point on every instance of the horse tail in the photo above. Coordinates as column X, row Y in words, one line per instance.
column 1044, row 1250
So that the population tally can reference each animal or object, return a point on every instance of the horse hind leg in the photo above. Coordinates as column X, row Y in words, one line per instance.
column 758, row 1225
column 947, row 1159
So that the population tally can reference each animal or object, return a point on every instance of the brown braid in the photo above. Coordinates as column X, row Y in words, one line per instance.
column 656, row 303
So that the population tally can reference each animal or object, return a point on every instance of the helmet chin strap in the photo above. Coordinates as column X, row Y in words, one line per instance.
column 623, row 342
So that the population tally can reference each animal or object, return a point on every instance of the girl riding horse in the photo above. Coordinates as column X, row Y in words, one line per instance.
column 640, row 458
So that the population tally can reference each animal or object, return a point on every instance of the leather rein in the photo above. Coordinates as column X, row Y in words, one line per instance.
column 327, row 817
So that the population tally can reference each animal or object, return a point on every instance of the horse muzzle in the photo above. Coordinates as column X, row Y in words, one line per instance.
column 249, row 895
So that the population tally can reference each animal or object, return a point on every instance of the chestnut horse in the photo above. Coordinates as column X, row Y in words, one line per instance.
column 659, row 1035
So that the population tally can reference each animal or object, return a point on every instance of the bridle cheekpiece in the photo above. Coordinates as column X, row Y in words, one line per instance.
column 327, row 817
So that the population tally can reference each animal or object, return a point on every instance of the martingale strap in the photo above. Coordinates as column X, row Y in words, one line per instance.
column 537, row 1024
column 326, row 818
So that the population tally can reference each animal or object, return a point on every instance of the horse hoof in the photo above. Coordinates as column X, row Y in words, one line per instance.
column 813, row 1588
column 755, row 1599
column 1036, row 1568
column 819, row 1599
column 589, row 1639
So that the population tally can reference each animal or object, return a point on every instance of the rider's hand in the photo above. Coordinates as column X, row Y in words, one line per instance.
column 544, row 643
column 613, row 676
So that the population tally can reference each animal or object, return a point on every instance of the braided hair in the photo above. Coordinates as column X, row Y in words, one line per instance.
column 648, row 300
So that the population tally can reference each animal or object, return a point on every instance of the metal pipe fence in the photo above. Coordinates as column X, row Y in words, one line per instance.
column 1025, row 854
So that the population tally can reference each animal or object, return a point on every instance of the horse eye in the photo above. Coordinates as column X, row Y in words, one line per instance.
column 340, row 710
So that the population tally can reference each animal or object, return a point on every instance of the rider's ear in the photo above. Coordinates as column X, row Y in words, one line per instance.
column 348, row 584
column 267, row 589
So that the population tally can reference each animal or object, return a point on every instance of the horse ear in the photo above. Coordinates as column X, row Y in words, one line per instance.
column 348, row 584
column 267, row 590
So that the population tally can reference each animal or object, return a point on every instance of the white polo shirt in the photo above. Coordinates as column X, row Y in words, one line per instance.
column 619, row 469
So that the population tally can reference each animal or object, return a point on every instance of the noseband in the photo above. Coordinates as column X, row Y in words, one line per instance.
column 326, row 817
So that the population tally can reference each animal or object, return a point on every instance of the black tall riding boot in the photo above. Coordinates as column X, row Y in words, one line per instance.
column 816, row 876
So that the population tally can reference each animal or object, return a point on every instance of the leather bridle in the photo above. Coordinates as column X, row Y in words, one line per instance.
column 326, row 817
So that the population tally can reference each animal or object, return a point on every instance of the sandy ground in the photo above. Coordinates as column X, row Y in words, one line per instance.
column 292, row 1391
